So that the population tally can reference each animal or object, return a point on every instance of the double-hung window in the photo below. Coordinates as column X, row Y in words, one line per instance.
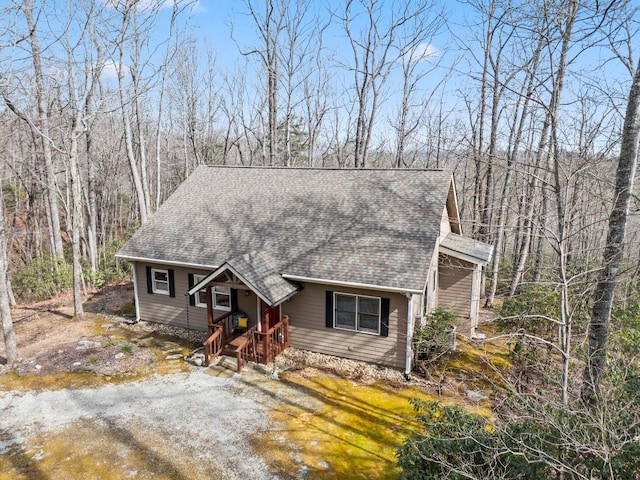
column 220, row 295
column 221, row 298
column 357, row 312
column 200, row 296
column 160, row 281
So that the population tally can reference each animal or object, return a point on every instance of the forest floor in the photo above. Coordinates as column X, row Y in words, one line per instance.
column 104, row 398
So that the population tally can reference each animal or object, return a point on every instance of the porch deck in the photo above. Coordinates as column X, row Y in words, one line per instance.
column 249, row 346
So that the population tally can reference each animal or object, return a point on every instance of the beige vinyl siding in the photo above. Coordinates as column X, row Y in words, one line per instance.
column 249, row 306
column 445, row 223
column 455, row 278
column 308, row 331
column 431, row 287
column 170, row 310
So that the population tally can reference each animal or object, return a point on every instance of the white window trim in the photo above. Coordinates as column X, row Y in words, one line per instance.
column 153, row 281
column 196, row 279
column 213, row 298
column 357, row 329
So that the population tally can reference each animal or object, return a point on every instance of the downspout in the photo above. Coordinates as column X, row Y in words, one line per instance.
column 475, row 298
column 410, row 322
column 135, row 291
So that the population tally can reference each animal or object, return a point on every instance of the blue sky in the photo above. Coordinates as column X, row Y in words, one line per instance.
column 211, row 21
column 209, row 24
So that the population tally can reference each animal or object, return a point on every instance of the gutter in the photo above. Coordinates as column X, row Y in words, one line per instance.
column 367, row 286
column 165, row 262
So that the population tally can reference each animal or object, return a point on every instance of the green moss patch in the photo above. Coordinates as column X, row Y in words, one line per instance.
column 91, row 449
column 479, row 366
column 353, row 431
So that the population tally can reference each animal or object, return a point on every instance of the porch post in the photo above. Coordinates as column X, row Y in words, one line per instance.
column 209, row 311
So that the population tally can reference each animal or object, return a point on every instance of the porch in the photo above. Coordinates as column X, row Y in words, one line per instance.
column 250, row 345
column 239, row 333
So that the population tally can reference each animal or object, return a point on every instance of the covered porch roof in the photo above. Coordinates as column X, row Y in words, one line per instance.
column 467, row 249
column 256, row 270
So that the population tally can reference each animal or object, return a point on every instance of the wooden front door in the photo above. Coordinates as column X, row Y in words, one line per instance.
column 269, row 316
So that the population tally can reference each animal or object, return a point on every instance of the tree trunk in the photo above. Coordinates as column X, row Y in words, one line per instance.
column 612, row 256
column 10, row 344
column 128, row 135
column 92, row 205
column 136, row 72
column 564, row 333
column 506, row 189
column 521, row 262
column 45, row 138
column 92, row 209
column 76, row 223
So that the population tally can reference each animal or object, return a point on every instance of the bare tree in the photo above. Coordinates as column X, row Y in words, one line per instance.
column 379, row 35
column 520, row 122
column 80, row 89
column 167, row 56
column 136, row 19
column 417, row 64
column 40, row 127
column 10, row 345
column 614, row 249
column 270, row 20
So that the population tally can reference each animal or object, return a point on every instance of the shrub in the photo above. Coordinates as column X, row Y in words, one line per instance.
column 113, row 269
column 534, row 438
column 524, row 311
column 450, row 436
column 42, row 278
column 110, row 268
column 625, row 336
column 432, row 341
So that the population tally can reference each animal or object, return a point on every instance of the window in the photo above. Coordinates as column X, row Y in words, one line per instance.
column 357, row 312
column 220, row 295
column 160, row 281
column 200, row 296
column 221, row 298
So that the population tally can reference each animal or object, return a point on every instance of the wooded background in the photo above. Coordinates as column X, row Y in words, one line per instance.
column 109, row 104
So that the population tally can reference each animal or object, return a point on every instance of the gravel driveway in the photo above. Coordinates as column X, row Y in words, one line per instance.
column 207, row 420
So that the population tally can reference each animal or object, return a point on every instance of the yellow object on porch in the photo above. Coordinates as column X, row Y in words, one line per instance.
column 243, row 323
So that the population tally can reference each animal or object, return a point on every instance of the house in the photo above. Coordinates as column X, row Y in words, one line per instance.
column 354, row 258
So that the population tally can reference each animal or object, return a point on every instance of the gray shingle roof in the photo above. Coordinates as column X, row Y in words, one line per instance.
column 467, row 247
column 258, row 271
column 374, row 227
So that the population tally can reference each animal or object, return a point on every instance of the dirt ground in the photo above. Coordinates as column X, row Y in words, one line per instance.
column 104, row 398
column 50, row 340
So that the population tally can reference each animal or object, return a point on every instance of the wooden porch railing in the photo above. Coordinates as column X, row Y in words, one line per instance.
column 261, row 347
column 221, row 320
column 247, row 353
column 214, row 345
column 270, row 344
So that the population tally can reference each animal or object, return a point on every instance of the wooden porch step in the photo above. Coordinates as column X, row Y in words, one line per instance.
column 235, row 345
